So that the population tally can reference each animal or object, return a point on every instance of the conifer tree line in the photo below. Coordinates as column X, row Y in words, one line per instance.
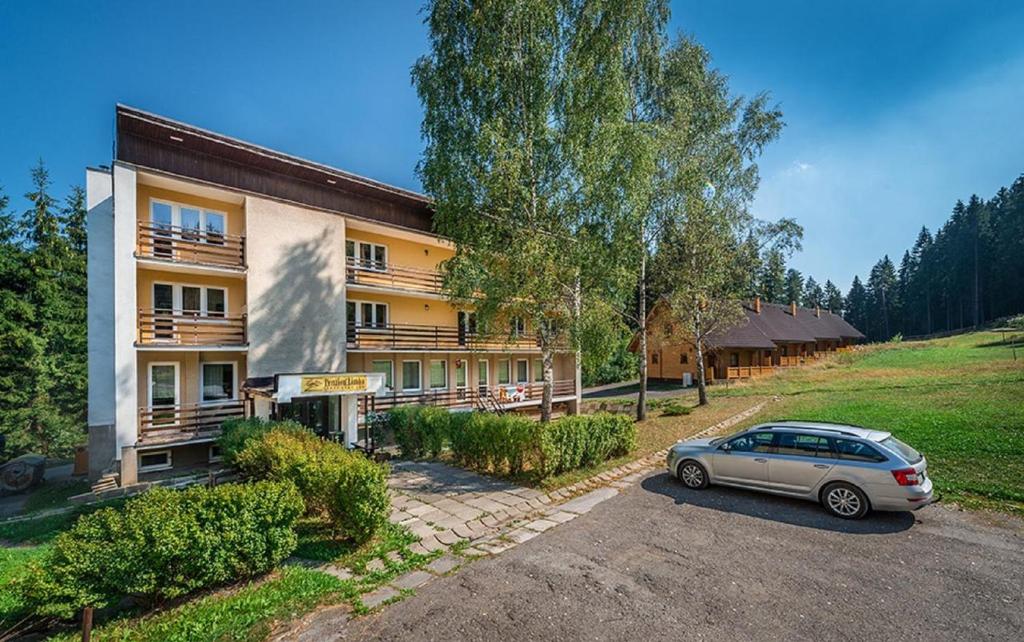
column 43, row 365
column 967, row 274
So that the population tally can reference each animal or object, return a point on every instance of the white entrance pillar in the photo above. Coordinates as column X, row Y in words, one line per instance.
column 350, row 418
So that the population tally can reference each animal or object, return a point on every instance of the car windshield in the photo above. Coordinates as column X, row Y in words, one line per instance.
column 715, row 442
column 905, row 451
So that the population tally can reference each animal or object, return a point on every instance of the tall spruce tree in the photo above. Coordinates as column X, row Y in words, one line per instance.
column 855, row 309
column 833, row 298
column 794, row 287
column 773, row 277
column 814, row 295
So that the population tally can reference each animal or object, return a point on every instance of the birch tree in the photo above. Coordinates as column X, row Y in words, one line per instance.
column 526, row 154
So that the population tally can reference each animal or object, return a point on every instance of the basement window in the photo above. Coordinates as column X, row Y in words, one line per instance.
column 154, row 460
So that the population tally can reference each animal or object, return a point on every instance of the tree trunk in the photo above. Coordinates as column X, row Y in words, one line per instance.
column 641, row 406
column 698, row 345
column 547, row 359
column 577, row 309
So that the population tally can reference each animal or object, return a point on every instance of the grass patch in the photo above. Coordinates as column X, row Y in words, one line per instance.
column 959, row 400
column 40, row 530
column 12, row 565
column 54, row 495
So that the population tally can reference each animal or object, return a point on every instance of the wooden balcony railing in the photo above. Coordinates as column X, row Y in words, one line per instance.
column 787, row 362
column 405, row 336
column 167, row 424
column 158, row 327
column 744, row 372
column 186, row 245
column 387, row 275
column 475, row 397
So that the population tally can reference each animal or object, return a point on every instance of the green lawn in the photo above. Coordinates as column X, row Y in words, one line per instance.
column 959, row 400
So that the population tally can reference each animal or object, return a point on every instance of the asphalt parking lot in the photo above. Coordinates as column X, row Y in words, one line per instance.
column 662, row 562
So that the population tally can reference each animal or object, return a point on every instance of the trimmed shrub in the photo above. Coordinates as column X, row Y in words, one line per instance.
column 237, row 433
column 500, row 443
column 165, row 544
column 345, row 486
column 585, row 440
column 420, row 430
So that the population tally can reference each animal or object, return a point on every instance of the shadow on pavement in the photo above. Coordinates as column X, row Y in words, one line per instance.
column 778, row 509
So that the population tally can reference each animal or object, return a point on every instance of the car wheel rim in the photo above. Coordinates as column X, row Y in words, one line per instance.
column 844, row 501
column 691, row 475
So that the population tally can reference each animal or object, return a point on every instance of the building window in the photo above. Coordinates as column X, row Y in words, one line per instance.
column 213, row 455
column 411, row 381
column 190, row 299
column 654, row 358
column 483, row 375
column 522, row 371
column 163, row 384
column 518, row 326
column 684, row 358
column 370, row 256
column 154, row 460
column 367, row 314
column 386, row 367
column 438, row 375
column 504, row 372
column 538, row 370
column 734, row 359
column 193, row 223
column 218, row 382
column 460, row 374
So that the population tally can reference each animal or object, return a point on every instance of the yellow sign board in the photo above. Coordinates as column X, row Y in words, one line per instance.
column 334, row 383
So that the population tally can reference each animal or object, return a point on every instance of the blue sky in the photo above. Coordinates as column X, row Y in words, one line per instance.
column 893, row 109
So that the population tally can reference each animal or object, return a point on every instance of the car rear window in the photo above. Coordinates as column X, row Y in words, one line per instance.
column 851, row 450
column 905, row 451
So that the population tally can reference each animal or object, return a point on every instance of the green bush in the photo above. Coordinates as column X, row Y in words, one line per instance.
column 165, row 544
column 491, row 442
column 420, row 430
column 675, row 408
column 342, row 485
column 585, row 440
column 236, row 433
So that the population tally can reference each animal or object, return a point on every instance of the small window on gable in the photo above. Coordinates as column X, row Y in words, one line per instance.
column 654, row 357
column 684, row 358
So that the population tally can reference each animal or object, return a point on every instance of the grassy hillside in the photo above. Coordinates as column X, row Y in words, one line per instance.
column 959, row 400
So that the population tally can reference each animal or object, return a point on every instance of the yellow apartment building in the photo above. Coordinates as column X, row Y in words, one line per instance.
column 229, row 280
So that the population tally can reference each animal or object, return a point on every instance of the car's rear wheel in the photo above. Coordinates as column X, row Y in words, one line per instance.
column 692, row 474
column 845, row 501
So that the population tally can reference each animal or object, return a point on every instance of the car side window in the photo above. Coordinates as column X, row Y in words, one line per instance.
column 850, row 450
column 791, row 443
column 758, row 442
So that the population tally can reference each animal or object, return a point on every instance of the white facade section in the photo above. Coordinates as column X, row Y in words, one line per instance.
column 100, row 261
column 125, row 307
column 295, row 288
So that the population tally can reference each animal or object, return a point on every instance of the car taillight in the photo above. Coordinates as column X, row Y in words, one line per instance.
column 906, row 477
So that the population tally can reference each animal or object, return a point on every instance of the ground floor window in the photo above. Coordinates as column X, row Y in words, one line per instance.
column 218, row 381
column 386, row 367
column 438, row 375
column 483, row 376
column 504, row 372
column 522, row 371
column 153, row 460
column 734, row 359
column 163, row 384
column 538, row 370
column 411, row 376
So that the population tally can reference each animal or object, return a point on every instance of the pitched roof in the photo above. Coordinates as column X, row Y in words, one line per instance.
column 781, row 326
column 746, row 333
column 842, row 326
column 817, row 323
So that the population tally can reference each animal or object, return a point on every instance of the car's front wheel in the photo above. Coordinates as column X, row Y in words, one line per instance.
column 692, row 474
column 845, row 501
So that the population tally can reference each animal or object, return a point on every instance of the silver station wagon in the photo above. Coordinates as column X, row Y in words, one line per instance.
column 848, row 469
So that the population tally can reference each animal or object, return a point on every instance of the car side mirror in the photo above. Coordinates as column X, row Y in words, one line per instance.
column 725, row 447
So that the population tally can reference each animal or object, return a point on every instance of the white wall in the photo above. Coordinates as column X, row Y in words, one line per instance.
column 100, row 258
column 124, row 269
column 295, row 288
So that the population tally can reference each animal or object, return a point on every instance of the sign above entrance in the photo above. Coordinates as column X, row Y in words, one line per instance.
column 324, row 384
column 290, row 386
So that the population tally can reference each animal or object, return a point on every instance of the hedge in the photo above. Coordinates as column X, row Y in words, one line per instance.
column 237, row 433
column 344, row 486
column 165, row 544
column 512, row 443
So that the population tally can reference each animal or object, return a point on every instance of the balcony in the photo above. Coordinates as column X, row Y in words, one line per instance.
column 190, row 246
column 185, row 422
column 788, row 362
column 406, row 336
column 165, row 328
column 387, row 276
column 497, row 398
column 745, row 372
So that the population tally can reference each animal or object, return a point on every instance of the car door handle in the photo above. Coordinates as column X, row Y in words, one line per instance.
column 821, row 465
column 760, row 460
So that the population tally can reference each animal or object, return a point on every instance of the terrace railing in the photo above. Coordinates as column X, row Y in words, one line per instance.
column 475, row 397
column 744, row 372
column 187, row 245
column 407, row 336
column 181, row 422
column 786, row 362
column 162, row 327
column 387, row 275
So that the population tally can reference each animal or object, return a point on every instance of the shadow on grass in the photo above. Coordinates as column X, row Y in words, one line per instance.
column 774, row 508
